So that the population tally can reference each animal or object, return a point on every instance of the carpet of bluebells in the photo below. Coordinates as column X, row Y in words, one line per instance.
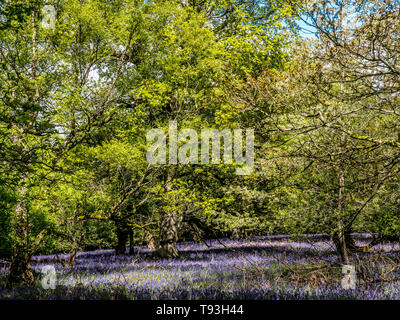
column 258, row 268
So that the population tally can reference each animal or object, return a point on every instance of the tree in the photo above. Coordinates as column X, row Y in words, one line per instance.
column 359, row 43
column 330, row 118
column 51, row 101
column 218, row 48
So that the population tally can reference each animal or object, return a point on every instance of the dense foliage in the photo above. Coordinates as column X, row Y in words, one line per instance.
column 77, row 100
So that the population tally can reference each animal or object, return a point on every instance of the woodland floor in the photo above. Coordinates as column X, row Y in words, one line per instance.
column 274, row 267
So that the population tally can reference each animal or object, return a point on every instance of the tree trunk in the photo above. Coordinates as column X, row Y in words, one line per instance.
column 168, row 235
column 168, row 230
column 151, row 242
column 20, row 271
column 122, row 236
column 341, row 241
column 131, row 242
column 344, row 244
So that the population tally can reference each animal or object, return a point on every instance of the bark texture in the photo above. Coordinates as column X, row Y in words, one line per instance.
column 122, row 236
column 151, row 241
column 168, row 235
column 20, row 271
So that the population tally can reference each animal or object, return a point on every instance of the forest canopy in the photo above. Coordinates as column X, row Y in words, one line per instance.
column 82, row 82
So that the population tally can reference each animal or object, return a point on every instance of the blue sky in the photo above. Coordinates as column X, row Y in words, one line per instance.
column 306, row 31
